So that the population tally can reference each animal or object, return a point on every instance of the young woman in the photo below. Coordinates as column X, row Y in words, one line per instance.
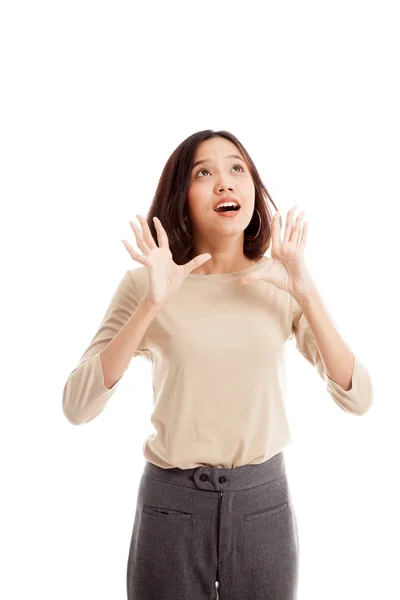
column 214, row 511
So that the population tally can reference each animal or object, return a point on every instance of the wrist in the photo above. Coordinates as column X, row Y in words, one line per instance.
column 149, row 304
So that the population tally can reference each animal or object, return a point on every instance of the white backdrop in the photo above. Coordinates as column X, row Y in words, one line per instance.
column 95, row 96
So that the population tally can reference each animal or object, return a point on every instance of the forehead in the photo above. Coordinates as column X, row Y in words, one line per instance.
column 214, row 148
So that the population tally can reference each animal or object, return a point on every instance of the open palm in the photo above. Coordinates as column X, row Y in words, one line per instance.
column 286, row 268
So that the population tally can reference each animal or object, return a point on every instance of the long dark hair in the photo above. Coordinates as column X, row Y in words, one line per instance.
column 170, row 200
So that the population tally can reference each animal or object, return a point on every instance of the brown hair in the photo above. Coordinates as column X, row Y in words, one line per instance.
column 171, row 194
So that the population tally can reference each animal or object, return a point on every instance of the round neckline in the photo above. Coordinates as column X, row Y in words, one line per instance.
column 218, row 276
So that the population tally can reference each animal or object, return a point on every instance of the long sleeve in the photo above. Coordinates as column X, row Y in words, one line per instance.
column 85, row 395
column 358, row 400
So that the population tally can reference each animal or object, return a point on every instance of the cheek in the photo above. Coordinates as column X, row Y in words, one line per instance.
column 249, row 191
column 249, row 183
column 198, row 199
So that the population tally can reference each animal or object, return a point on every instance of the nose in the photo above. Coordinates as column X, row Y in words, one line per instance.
column 224, row 182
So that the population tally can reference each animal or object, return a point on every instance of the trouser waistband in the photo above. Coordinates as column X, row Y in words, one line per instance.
column 215, row 478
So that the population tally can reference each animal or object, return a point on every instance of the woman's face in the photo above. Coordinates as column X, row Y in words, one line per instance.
column 216, row 177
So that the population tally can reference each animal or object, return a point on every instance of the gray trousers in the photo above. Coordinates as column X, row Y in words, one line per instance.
column 210, row 532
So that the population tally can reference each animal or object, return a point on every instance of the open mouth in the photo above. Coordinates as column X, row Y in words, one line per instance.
column 228, row 212
column 227, row 209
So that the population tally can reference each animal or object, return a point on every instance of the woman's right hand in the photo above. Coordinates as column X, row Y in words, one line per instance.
column 165, row 276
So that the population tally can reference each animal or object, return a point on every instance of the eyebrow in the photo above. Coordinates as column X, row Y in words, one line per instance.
column 206, row 160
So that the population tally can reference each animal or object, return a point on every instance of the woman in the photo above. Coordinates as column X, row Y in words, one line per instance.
column 214, row 512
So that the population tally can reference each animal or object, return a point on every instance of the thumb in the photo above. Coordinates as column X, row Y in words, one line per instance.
column 249, row 278
column 196, row 262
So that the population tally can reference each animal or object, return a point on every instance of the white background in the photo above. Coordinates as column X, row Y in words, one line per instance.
column 95, row 96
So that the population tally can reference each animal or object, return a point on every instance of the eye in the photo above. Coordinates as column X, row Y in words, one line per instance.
column 201, row 170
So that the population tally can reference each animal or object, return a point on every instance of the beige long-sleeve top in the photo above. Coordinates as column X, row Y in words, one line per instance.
column 218, row 365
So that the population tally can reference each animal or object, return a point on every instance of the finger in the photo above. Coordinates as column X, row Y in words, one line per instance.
column 249, row 278
column 133, row 253
column 276, row 229
column 289, row 224
column 147, row 236
column 161, row 233
column 139, row 238
column 304, row 235
column 294, row 238
column 195, row 262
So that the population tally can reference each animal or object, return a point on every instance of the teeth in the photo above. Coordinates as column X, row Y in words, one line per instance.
column 226, row 204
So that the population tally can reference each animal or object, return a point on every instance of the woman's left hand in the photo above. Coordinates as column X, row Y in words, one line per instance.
column 286, row 269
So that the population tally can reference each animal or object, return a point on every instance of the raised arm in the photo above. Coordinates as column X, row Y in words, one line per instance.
column 120, row 336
